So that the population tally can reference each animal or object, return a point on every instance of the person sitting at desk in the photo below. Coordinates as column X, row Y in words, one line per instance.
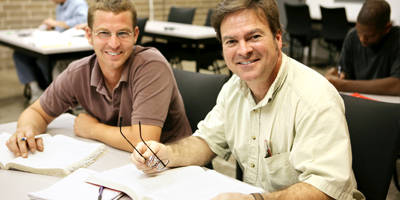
column 283, row 122
column 68, row 14
column 370, row 59
column 120, row 80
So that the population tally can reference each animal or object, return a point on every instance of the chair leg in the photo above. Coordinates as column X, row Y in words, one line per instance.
column 309, row 51
column 291, row 47
column 27, row 91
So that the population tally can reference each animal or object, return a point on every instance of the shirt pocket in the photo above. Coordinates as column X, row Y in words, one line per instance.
column 280, row 173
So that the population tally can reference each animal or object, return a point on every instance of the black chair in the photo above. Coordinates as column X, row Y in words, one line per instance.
column 178, row 15
column 199, row 93
column 141, row 23
column 375, row 140
column 299, row 27
column 181, row 15
column 208, row 18
column 334, row 30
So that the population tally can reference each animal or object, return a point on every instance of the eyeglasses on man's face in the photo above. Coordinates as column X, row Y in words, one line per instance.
column 106, row 34
column 153, row 161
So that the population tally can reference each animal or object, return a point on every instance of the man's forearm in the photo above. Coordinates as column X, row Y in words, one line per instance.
column 190, row 151
column 384, row 86
column 297, row 191
column 34, row 118
column 111, row 135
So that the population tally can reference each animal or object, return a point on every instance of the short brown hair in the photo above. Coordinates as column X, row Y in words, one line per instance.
column 115, row 6
column 374, row 13
column 266, row 10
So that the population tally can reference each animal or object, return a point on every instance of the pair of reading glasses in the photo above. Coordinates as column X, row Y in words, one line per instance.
column 153, row 161
column 106, row 34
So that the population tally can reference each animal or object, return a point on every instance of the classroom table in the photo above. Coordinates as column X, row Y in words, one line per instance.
column 18, row 39
column 15, row 185
column 383, row 98
column 352, row 9
column 181, row 33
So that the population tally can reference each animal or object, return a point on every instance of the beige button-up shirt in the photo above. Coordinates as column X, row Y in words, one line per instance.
column 301, row 120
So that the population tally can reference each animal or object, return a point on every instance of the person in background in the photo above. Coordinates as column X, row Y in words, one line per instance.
column 68, row 14
column 121, row 85
column 283, row 122
column 370, row 59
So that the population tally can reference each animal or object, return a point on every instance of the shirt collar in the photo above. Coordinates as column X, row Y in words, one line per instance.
column 97, row 78
column 64, row 5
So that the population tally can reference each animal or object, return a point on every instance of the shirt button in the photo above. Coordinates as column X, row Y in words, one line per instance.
column 269, row 100
column 253, row 165
column 253, row 137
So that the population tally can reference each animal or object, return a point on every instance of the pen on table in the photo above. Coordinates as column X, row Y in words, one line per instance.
column 36, row 136
column 339, row 71
column 100, row 193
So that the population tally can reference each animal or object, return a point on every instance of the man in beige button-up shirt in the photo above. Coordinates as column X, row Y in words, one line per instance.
column 283, row 122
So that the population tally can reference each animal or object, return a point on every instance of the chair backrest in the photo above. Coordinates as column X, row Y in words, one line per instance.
column 298, row 19
column 334, row 24
column 141, row 23
column 181, row 15
column 208, row 19
column 374, row 129
column 199, row 93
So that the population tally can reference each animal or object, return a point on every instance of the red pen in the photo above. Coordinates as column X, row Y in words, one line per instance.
column 267, row 150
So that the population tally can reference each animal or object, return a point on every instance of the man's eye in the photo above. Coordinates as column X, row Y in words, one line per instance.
column 103, row 33
column 230, row 42
column 123, row 34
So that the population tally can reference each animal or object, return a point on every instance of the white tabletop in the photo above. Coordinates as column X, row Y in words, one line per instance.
column 187, row 31
column 352, row 8
column 16, row 184
column 383, row 98
column 74, row 43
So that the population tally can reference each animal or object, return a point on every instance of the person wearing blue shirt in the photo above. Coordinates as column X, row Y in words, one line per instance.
column 68, row 14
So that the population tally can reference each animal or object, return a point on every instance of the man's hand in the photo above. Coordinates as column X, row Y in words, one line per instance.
column 233, row 196
column 19, row 147
column 333, row 77
column 50, row 23
column 84, row 125
column 140, row 162
column 334, row 73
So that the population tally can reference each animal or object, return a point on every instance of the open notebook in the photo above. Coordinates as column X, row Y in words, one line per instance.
column 62, row 155
column 74, row 187
column 189, row 183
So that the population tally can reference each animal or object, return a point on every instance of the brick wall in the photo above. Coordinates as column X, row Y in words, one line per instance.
column 16, row 14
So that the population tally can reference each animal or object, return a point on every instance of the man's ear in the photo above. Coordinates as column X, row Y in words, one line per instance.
column 387, row 28
column 88, row 35
column 136, row 33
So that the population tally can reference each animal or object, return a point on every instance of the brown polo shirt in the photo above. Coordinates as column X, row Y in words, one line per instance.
column 146, row 92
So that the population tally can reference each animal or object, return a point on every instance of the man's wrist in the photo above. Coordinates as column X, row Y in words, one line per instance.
column 257, row 196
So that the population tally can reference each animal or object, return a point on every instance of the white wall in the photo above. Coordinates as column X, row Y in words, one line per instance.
column 352, row 9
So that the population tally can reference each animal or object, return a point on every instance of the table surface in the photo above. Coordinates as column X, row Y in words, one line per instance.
column 16, row 184
column 352, row 9
column 187, row 31
column 13, row 37
column 383, row 98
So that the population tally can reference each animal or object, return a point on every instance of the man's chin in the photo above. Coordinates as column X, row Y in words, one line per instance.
column 365, row 45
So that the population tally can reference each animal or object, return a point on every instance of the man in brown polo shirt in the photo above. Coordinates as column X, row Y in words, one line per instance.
column 120, row 80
